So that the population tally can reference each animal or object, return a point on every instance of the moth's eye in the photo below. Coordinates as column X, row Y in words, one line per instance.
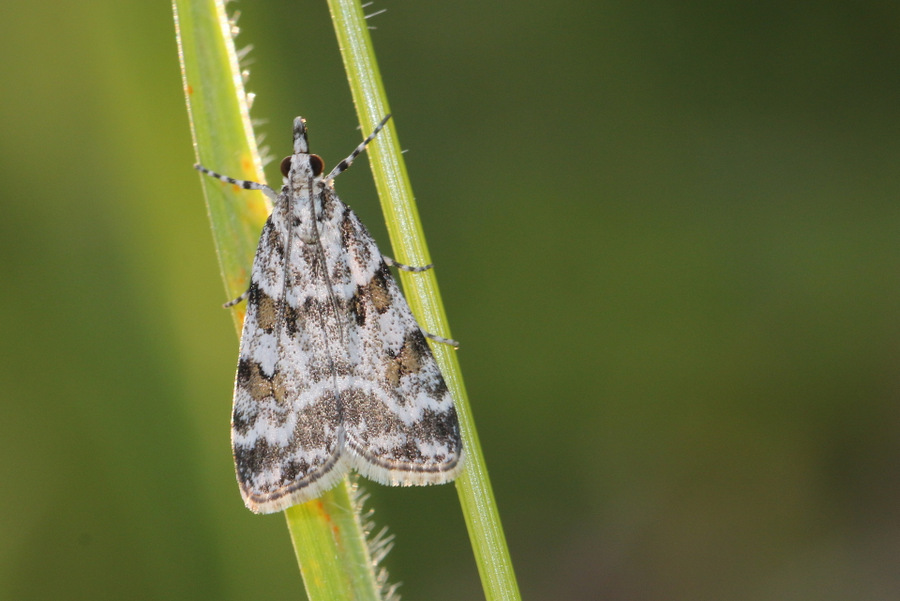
column 286, row 166
column 315, row 161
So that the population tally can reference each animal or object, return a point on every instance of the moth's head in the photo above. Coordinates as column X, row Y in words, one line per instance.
column 301, row 165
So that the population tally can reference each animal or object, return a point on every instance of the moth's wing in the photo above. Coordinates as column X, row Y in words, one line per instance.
column 398, row 415
column 286, row 420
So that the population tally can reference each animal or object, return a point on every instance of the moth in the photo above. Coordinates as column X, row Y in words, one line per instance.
column 334, row 371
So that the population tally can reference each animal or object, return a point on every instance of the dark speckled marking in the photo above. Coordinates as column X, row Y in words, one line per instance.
column 409, row 360
column 242, row 422
column 256, row 383
column 266, row 309
column 293, row 320
column 374, row 294
column 253, row 460
column 272, row 238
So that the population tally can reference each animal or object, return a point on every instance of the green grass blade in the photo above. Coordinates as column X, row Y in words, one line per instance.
column 223, row 136
column 335, row 563
column 408, row 241
column 327, row 535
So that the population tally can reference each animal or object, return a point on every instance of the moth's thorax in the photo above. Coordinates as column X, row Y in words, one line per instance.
column 301, row 199
column 300, row 176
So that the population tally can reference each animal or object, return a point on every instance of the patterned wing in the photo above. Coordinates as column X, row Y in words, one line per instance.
column 286, row 419
column 399, row 420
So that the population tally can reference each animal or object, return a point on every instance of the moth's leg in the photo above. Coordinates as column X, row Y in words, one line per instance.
column 441, row 339
column 342, row 166
column 245, row 184
column 392, row 263
column 235, row 301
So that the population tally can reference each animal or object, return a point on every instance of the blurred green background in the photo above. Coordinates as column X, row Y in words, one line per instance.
column 666, row 234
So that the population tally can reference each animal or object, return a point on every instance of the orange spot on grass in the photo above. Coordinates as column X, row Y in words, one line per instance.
column 335, row 529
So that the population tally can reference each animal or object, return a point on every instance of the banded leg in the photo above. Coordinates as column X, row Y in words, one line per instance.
column 245, row 184
column 441, row 339
column 392, row 263
column 343, row 165
column 235, row 301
